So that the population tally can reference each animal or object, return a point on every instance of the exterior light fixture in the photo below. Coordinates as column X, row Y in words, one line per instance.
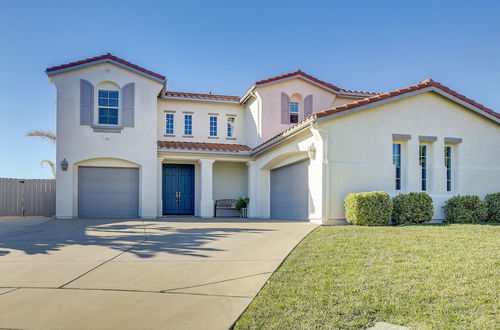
column 64, row 164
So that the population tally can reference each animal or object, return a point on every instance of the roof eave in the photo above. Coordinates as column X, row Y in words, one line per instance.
column 106, row 60
column 207, row 152
column 322, row 118
column 182, row 98
column 292, row 132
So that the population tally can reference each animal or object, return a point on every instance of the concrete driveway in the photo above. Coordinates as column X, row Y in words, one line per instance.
column 129, row 274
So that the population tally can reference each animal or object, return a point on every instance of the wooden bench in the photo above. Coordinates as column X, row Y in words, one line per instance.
column 224, row 204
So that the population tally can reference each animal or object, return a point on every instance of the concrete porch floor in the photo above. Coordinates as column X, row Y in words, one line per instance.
column 168, row 273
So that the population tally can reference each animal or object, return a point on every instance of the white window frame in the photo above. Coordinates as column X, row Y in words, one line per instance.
column 167, row 115
column 117, row 108
column 230, row 126
column 213, row 129
column 190, row 124
column 295, row 111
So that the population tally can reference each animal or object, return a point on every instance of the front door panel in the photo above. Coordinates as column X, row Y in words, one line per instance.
column 178, row 189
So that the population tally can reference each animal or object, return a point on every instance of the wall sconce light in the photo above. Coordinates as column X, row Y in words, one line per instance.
column 64, row 164
column 312, row 151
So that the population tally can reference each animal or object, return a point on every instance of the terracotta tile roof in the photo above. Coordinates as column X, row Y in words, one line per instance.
column 297, row 73
column 382, row 96
column 350, row 91
column 106, row 56
column 203, row 146
column 316, row 80
column 202, row 96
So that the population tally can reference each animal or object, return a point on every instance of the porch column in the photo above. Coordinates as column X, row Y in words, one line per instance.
column 206, row 177
column 252, row 189
column 159, row 191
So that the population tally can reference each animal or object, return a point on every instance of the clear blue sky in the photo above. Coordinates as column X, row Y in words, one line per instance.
column 223, row 46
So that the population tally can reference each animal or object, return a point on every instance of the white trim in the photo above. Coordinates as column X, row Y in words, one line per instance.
column 204, row 152
column 106, row 60
column 402, row 96
column 184, row 98
column 299, row 76
column 294, row 131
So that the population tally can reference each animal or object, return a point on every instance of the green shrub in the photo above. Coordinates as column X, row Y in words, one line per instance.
column 368, row 208
column 415, row 207
column 241, row 203
column 493, row 207
column 465, row 209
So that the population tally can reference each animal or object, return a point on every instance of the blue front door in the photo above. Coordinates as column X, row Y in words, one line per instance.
column 178, row 189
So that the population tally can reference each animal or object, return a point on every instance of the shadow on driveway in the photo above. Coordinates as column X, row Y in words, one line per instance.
column 154, row 236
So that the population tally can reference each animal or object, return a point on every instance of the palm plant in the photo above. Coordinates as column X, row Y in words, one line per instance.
column 49, row 136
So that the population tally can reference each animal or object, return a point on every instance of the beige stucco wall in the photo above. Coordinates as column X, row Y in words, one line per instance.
column 360, row 150
column 271, row 103
column 229, row 180
column 201, row 112
column 77, row 143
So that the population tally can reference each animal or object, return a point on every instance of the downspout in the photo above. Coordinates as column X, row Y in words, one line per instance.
column 323, row 135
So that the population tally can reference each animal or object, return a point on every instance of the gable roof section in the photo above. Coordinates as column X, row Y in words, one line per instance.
column 311, row 79
column 426, row 84
column 103, row 59
column 369, row 102
column 203, row 146
column 297, row 74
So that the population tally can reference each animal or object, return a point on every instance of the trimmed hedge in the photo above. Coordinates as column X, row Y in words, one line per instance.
column 368, row 208
column 465, row 209
column 493, row 207
column 415, row 207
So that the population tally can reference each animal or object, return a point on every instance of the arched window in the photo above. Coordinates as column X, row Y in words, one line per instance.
column 108, row 101
column 295, row 108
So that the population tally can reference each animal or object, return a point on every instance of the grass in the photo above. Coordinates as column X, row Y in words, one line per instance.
column 349, row 277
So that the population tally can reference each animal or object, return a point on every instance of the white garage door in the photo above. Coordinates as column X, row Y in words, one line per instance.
column 289, row 192
column 108, row 192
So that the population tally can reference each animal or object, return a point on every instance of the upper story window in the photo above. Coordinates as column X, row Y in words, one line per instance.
column 230, row 126
column 169, row 123
column 447, row 163
column 188, row 124
column 213, row 126
column 423, row 166
column 294, row 112
column 108, row 107
column 396, row 160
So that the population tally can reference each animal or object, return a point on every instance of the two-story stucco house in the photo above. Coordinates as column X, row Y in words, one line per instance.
column 127, row 146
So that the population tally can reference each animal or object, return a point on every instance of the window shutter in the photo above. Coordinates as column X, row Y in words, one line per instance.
column 285, row 108
column 308, row 105
column 86, row 103
column 128, row 99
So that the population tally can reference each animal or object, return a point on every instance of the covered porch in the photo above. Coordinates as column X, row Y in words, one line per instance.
column 190, row 184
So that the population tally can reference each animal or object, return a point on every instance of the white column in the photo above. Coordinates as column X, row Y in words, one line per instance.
column 206, row 201
column 252, row 189
column 159, row 180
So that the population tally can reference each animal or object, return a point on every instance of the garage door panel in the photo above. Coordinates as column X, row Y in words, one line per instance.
column 289, row 192
column 108, row 192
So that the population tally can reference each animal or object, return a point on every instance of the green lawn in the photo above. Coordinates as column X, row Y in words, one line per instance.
column 349, row 277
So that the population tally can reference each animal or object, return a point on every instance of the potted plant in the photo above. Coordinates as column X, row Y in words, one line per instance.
column 241, row 206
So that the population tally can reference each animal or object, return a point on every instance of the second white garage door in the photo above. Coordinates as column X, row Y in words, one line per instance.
column 108, row 192
column 289, row 192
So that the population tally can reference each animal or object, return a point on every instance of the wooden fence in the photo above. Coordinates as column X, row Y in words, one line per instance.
column 27, row 197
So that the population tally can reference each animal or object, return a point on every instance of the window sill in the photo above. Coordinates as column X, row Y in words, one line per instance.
column 169, row 135
column 188, row 136
column 230, row 138
column 107, row 128
column 213, row 137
